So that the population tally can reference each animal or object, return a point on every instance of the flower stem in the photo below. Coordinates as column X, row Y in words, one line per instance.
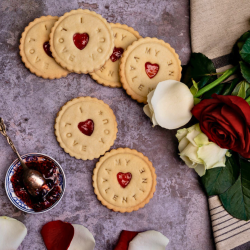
column 226, row 74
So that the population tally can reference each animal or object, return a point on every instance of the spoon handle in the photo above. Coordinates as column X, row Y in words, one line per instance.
column 3, row 132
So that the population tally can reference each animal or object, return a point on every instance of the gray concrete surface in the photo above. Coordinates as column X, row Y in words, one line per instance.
column 29, row 106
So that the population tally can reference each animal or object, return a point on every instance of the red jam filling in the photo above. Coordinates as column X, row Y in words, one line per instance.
column 124, row 179
column 117, row 53
column 151, row 69
column 50, row 173
column 81, row 40
column 86, row 127
column 46, row 47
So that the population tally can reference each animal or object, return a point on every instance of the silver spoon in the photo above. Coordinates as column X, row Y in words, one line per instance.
column 32, row 179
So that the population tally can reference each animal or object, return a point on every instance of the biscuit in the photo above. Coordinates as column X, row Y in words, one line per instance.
column 81, row 41
column 35, row 49
column 108, row 74
column 124, row 180
column 145, row 63
column 86, row 128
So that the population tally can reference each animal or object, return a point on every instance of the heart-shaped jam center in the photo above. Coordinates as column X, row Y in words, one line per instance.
column 81, row 40
column 151, row 69
column 124, row 179
column 46, row 47
column 86, row 127
column 117, row 53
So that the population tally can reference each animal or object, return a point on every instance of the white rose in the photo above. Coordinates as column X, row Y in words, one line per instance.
column 198, row 152
column 170, row 104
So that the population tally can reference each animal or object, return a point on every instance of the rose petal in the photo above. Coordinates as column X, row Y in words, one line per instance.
column 207, row 104
column 12, row 233
column 181, row 133
column 125, row 238
column 190, row 151
column 226, row 121
column 172, row 102
column 245, row 152
column 201, row 139
column 212, row 155
column 148, row 109
column 57, row 235
column 188, row 161
column 82, row 240
column 183, row 144
column 200, row 169
column 149, row 240
column 193, row 132
column 237, row 103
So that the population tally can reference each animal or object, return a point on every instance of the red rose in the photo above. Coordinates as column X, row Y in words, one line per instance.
column 226, row 121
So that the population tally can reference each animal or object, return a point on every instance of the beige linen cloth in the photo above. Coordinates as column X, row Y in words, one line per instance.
column 215, row 27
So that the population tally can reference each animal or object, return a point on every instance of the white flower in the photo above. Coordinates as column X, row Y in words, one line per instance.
column 170, row 104
column 197, row 152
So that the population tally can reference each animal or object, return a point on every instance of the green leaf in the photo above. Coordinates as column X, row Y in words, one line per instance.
column 198, row 67
column 245, row 70
column 195, row 84
column 238, row 46
column 245, row 51
column 194, row 89
column 228, row 89
column 248, row 93
column 246, row 88
column 217, row 180
column 197, row 100
column 237, row 89
column 241, row 89
column 236, row 200
column 248, row 100
column 242, row 39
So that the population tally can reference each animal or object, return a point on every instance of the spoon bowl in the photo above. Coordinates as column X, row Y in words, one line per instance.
column 35, row 183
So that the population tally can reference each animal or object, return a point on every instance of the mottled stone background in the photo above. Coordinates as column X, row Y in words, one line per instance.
column 29, row 106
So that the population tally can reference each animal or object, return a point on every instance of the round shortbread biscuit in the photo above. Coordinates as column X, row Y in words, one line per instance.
column 71, row 128
column 108, row 75
column 81, row 28
column 124, row 180
column 145, row 63
column 32, row 42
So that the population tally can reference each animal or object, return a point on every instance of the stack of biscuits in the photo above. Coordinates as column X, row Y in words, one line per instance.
column 115, row 55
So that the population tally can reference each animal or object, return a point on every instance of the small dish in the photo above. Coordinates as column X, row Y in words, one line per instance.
column 16, row 201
